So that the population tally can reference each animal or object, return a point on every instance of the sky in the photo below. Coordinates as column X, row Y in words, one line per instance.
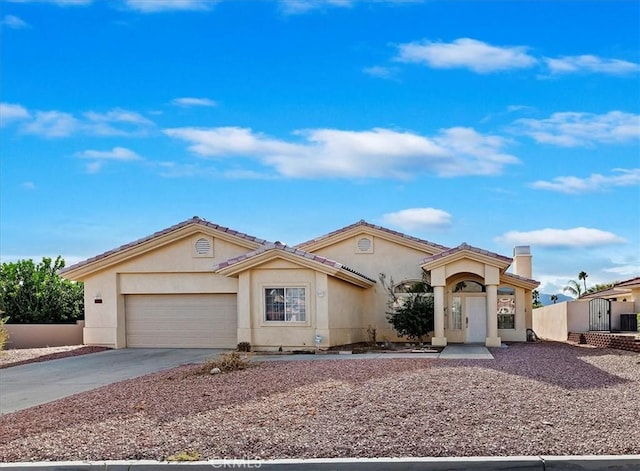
column 492, row 123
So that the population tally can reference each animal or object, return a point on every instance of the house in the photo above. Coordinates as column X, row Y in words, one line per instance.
column 627, row 290
column 198, row 284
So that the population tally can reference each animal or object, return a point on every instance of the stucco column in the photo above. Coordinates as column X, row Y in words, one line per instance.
column 320, row 296
column 492, row 317
column 244, row 307
column 438, row 340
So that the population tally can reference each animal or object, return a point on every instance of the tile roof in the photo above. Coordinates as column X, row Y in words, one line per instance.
column 363, row 223
column 168, row 230
column 521, row 278
column 630, row 282
column 470, row 248
column 292, row 250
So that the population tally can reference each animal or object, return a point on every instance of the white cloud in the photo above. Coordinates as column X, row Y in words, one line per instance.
column 595, row 182
column 624, row 270
column 418, row 218
column 574, row 129
column 466, row 53
column 99, row 158
column 14, row 22
column 52, row 124
column 117, row 153
column 591, row 64
column 380, row 72
column 297, row 7
column 576, row 237
column 11, row 112
column 28, row 186
column 155, row 6
column 190, row 101
column 376, row 153
column 117, row 122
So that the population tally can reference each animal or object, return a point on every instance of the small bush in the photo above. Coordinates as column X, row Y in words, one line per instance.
column 227, row 362
column 185, row 456
column 244, row 347
column 4, row 333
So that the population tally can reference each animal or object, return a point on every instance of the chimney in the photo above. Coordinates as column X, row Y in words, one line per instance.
column 522, row 261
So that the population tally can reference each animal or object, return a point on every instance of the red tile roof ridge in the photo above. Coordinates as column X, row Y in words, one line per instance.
column 168, row 230
column 364, row 223
column 293, row 250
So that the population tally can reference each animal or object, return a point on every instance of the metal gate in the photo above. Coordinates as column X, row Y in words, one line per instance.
column 600, row 314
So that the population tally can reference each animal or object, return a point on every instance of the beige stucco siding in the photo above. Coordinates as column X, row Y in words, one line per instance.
column 346, row 314
column 395, row 261
column 171, row 269
column 519, row 334
column 272, row 334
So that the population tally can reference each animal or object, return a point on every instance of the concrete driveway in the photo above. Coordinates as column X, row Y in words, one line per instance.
column 37, row 383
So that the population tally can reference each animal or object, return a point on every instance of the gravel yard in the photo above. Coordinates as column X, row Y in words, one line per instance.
column 21, row 356
column 544, row 398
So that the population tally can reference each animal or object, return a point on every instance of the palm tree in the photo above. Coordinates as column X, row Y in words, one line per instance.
column 554, row 298
column 583, row 276
column 573, row 288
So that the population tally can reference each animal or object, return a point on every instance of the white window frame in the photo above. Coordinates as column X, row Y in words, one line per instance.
column 501, row 313
column 286, row 321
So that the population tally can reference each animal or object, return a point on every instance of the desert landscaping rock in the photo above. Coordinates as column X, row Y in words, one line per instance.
column 533, row 399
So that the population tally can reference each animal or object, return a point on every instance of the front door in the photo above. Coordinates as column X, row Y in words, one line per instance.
column 476, row 319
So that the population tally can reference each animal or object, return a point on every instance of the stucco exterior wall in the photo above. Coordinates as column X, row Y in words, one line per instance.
column 346, row 314
column 519, row 334
column 172, row 268
column 395, row 261
column 554, row 322
column 620, row 307
column 551, row 322
column 268, row 335
column 44, row 335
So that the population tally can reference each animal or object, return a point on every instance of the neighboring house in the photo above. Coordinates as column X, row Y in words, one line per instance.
column 198, row 284
column 628, row 290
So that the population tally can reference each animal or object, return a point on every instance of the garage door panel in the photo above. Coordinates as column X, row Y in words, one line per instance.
column 181, row 321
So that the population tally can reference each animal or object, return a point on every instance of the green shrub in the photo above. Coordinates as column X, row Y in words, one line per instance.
column 34, row 293
column 4, row 333
column 244, row 347
column 227, row 362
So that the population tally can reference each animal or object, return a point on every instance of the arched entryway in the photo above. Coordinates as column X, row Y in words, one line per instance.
column 467, row 302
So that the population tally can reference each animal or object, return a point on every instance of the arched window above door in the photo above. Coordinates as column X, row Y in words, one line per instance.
column 468, row 286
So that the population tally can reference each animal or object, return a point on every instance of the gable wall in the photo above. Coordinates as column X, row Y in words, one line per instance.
column 168, row 269
column 290, row 335
column 346, row 312
column 395, row 261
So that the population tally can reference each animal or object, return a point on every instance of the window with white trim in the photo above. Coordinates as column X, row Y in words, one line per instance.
column 456, row 313
column 285, row 304
column 506, row 307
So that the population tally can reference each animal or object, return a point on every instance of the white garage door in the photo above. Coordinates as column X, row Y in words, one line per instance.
column 181, row 320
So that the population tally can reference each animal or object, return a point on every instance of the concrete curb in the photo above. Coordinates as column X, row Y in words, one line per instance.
column 541, row 463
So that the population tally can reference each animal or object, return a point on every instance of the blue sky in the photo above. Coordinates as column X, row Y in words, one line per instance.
column 496, row 123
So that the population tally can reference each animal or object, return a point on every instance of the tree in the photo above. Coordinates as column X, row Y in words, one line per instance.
column 36, row 294
column 554, row 298
column 601, row 287
column 411, row 315
column 573, row 288
column 536, row 298
column 583, row 276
